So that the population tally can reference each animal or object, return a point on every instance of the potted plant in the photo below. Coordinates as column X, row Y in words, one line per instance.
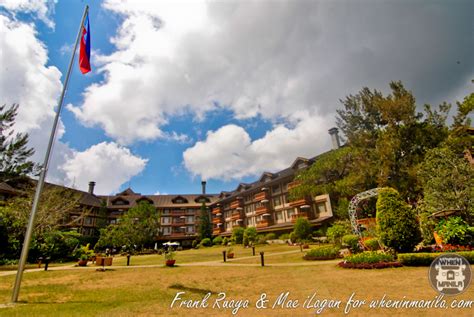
column 83, row 254
column 230, row 253
column 169, row 257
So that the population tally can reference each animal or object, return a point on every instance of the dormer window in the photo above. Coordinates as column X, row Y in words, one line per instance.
column 179, row 200
column 119, row 202
column 202, row 199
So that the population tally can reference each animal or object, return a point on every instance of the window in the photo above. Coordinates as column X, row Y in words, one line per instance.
column 166, row 231
column 277, row 201
column 88, row 221
column 285, row 187
column 290, row 213
column 280, row 217
column 190, row 219
column 276, row 189
column 190, row 229
column 166, row 220
column 119, row 202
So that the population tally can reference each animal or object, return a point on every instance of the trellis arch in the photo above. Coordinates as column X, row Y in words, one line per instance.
column 353, row 207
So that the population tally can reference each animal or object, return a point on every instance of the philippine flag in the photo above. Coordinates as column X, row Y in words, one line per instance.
column 85, row 48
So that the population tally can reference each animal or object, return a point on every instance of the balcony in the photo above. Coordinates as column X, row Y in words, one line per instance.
column 176, row 213
column 236, row 216
column 216, row 220
column 178, row 234
column 293, row 184
column 216, row 211
column 300, row 202
column 236, row 204
column 299, row 215
column 261, row 210
column 178, row 223
column 217, row 231
column 263, row 224
column 261, row 196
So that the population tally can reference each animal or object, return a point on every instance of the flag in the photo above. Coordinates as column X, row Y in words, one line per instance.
column 85, row 47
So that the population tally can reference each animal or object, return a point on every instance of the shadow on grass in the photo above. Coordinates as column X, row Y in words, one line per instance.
column 181, row 287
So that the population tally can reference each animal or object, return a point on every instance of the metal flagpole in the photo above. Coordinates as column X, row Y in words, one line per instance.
column 39, row 186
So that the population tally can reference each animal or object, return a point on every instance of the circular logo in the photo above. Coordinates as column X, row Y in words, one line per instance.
column 450, row 274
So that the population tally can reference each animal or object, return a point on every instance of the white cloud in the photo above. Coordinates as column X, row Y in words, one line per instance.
column 270, row 59
column 229, row 153
column 26, row 79
column 41, row 8
column 108, row 164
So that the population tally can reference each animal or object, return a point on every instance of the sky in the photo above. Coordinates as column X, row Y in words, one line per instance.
column 222, row 91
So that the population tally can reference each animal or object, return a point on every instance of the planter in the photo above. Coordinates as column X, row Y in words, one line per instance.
column 82, row 263
column 230, row 255
column 305, row 246
column 170, row 262
column 107, row 261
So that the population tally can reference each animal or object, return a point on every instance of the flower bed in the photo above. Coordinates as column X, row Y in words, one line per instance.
column 369, row 260
column 322, row 253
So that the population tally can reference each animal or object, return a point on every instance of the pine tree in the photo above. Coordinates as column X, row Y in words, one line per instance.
column 205, row 226
column 14, row 153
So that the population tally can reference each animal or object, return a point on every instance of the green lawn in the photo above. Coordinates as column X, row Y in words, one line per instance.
column 150, row 291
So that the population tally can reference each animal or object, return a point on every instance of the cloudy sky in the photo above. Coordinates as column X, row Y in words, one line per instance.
column 219, row 90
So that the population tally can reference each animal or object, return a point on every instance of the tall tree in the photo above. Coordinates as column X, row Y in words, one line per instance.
column 14, row 152
column 205, row 225
column 136, row 228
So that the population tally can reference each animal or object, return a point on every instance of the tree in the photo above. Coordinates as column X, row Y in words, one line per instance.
column 459, row 139
column 250, row 235
column 448, row 183
column 52, row 216
column 302, row 229
column 205, row 225
column 397, row 226
column 14, row 153
column 136, row 228
column 238, row 235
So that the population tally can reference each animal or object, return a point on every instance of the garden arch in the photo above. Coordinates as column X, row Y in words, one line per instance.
column 353, row 207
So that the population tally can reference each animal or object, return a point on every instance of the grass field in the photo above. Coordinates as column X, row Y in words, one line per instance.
column 138, row 291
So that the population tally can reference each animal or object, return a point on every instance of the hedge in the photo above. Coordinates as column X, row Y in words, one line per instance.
column 322, row 253
column 425, row 259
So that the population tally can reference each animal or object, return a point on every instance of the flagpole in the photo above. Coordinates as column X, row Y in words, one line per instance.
column 44, row 170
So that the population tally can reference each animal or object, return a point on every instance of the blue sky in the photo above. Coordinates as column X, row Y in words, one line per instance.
column 182, row 90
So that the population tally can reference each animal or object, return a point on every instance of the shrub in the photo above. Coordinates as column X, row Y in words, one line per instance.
column 322, row 253
column 318, row 233
column 352, row 241
column 292, row 237
column 335, row 234
column 250, row 235
column 217, row 240
column 206, row 242
column 397, row 226
column 238, row 235
column 270, row 236
column 225, row 241
column 372, row 244
column 369, row 257
column 302, row 229
column 195, row 243
column 455, row 231
column 425, row 259
column 285, row 236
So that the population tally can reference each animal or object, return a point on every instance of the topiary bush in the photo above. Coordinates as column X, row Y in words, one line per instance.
column 225, row 241
column 455, row 230
column 292, row 237
column 351, row 241
column 217, row 240
column 206, row 242
column 322, row 253
column 397, row 226
column 270, row 236
column 302, row 229
column 195, row 243
column 250, row 236
column 284, row 236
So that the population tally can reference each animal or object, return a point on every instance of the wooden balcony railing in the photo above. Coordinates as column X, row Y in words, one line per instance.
column 216, row 210
column 293, row 184
column 263, row 224
column 216, row 220
column 236, row 204
column 294, row 217
column 236, row 216
column 300, row 202
column 178, row 223
column 261, row 196
column 261, row 210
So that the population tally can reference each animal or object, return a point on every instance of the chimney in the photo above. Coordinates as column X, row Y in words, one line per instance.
column 203, row 184
column 334, row 133
column 91, row 188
